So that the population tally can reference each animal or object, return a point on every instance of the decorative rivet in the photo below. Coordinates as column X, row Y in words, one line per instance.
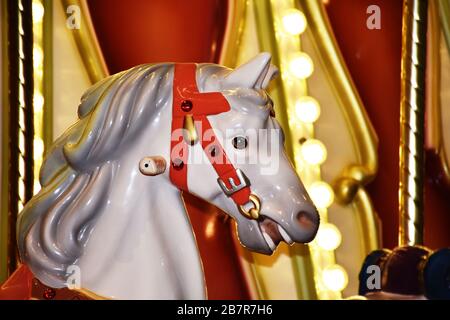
column 186, row 105
column 212, row 151
column 49, row 294
column 177, row 164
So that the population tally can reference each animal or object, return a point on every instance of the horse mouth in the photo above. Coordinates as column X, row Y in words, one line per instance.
column 273, row 233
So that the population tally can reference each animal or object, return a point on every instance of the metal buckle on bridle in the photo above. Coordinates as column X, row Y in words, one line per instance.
column 244, row 182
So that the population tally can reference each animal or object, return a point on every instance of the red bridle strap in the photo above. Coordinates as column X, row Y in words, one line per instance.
column 188, row 101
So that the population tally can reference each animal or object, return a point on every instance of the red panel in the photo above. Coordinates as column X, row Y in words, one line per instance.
column 223, row 272
column 18, row 285
column 373, row 58
column 141, row 31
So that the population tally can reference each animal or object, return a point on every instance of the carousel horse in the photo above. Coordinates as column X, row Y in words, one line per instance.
column 110, row 201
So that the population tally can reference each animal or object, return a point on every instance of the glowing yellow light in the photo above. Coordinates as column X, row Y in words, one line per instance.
column 335, row 278
column 307, row 109
column 38, row 57
column 301, row 66
column 38, row 102
column 313, row 152
column 38, row 148
column 36, row 187
column 38, row 12
column 294, row 22
column 328, row 237
column 321, row 194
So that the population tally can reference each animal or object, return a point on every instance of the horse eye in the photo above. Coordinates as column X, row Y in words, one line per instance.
column 240, row 142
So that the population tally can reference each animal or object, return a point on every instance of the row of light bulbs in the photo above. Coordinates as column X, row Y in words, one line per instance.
column 313, row 151
column 38, row 98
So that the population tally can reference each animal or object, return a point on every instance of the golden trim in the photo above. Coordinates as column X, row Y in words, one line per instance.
column 349, row 186
column 87, row 43
column 439, row 9
column 444, row 13
column 368, row 222
column 233, row 33
column 412, row 116
column 354, row 176
column 5, row 147
column 48, row 73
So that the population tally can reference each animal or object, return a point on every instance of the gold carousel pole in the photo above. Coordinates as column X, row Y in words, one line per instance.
column 18, row 131
column 412, row 119
column 411, row 270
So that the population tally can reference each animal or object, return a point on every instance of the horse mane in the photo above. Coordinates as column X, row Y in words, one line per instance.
column 78, row 172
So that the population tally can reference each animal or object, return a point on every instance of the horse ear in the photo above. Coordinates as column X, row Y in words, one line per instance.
column 256, row 73
column 272, row 73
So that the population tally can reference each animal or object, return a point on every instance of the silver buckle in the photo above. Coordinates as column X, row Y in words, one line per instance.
column 244, row 182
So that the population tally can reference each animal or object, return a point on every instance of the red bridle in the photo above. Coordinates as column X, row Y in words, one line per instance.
column 190, row 107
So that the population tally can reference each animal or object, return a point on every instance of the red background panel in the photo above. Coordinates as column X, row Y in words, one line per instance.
column 141, row 31
column 373, row 59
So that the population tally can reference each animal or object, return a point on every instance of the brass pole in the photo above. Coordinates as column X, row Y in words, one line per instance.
column 412, row 119
column 18, row 111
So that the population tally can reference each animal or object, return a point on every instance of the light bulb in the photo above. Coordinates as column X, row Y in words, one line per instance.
column 313, row 152
column 38, row 102
column 38, row 148
column 37, row 11
column 307, row 109
column 36, row 187
column 38, row 57
column 328, row 237
column 294, row 22
column 335, row 277
column 321, row 194
column 301, row 65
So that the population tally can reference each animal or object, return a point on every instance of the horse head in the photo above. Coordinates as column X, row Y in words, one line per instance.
column 110, row 200
column 254, row 144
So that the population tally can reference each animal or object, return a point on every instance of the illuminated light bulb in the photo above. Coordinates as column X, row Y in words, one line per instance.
column 36, row 187
column 38, row 11
column 298, row 159
column 38, row 57
column 313, row 152
column 301, row 66
column 294, row 22
column 38, row 148
column 38, row 102
column 321, row 194
column 328, row 237
column 335, row 278
column 307, row 109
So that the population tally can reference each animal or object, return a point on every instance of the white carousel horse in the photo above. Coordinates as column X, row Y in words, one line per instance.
column 109, row 206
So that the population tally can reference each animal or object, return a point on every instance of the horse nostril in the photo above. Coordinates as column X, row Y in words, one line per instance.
column 305, row 221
